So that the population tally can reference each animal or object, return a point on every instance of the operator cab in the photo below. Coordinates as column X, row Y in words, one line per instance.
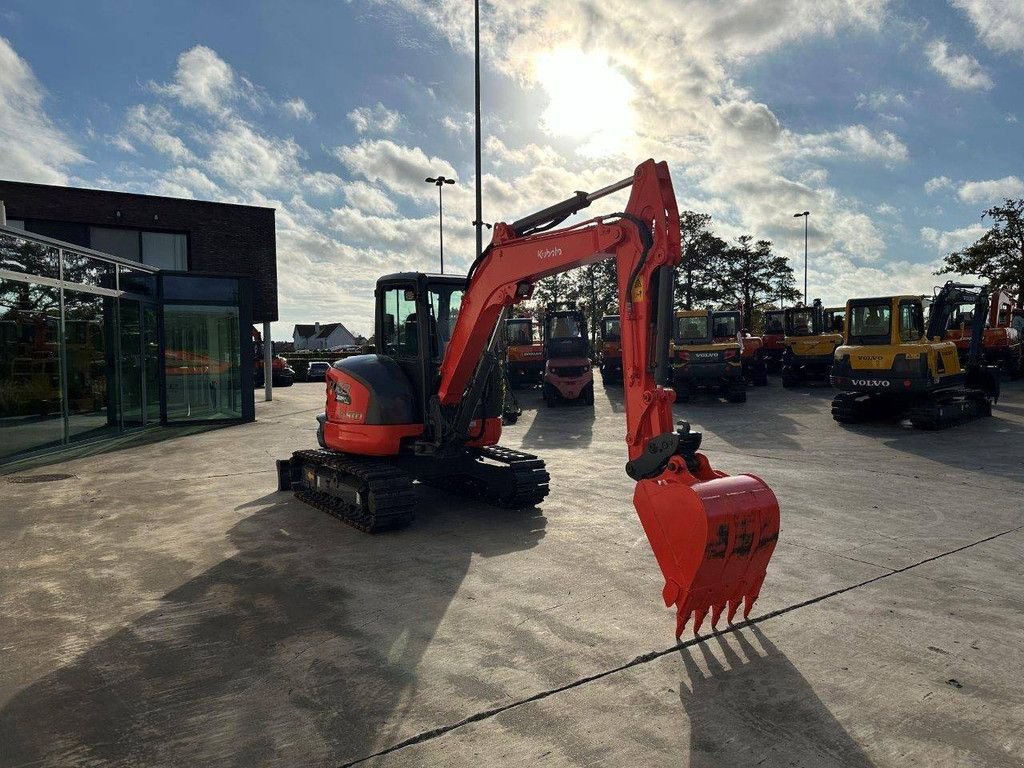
column 565, row 334
column 870, row 321
column 520, row 331
column 611, row 329
column 417, row 311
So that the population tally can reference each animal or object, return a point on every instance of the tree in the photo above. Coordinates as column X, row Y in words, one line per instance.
column 998, row 256
column 696, row 276
column 752, row 274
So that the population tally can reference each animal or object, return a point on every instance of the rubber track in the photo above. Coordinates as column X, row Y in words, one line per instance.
column 530, row 480
column 845, row 410
column 391, row 500
column 945, row 410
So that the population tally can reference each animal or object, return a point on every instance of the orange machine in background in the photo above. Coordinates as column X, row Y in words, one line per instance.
column 1001, row 343
column 610, row 355
column 524, row 352
column 773, row 339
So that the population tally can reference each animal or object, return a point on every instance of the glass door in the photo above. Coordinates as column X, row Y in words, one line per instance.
column 130, row 363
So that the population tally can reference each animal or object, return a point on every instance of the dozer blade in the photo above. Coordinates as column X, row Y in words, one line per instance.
column 712, row 537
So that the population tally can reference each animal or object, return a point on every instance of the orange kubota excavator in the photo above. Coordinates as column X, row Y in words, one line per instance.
column 426, row 406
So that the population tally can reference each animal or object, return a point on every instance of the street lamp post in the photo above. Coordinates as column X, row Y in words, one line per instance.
column 806, row 215
column 440, row 181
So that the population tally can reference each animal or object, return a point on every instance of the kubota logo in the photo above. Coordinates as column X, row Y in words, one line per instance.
column 549, row 253
column 871, row 382
column 871, row 358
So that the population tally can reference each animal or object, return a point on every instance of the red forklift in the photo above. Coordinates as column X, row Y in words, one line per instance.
column 567, row 369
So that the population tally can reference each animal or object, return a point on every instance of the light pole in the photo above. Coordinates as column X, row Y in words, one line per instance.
column 476, row 108
column 440, row 181
column 806, row 215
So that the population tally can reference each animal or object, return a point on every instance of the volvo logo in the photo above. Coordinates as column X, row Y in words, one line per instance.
column 549, row 253
column 870, row 382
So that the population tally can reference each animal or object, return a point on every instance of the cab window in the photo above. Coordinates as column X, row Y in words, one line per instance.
column 726, row 325
column 564, row 327
column 773, row 323
column 799, row 323
column 519, row 332
column 610, row 330
column 911, row 321
column 399, row 321
column 1004, row 315
column 445, row 302
column 870, row 323
column 691, row 328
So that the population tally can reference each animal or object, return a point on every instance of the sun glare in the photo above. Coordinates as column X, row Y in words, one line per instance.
column 591, row 101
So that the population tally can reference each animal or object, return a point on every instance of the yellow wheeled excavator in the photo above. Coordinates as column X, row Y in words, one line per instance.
column 893, row 365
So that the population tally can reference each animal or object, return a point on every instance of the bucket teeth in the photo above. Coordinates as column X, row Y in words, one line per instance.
column 712, row 538
column 734, row 605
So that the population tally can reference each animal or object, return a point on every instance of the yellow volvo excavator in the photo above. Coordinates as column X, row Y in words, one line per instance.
column 893, row 365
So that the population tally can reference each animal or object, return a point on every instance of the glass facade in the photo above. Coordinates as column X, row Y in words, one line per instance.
column 92, row 347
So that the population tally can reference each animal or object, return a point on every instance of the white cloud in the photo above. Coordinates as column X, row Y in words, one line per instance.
column 203, row 79
column 375, row 119
column 32, row 148
column 297, row 108
column 961, row 71
column 1011, row 118
column 247, row 159
column 152, row 125
column 854, row 141
column 399, row 168
column 887, row 210
column 369, row 199
column 997, row 22
column 320, row 183
column 953, row 240
column 991, row 190
column 880, row 100
column 937, row 184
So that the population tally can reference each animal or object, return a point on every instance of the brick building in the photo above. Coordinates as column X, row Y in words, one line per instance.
column 163, row 232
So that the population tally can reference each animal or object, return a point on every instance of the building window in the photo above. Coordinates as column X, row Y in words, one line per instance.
column 117, row 242
column 164, row 250
column 31, row 407
column 202, row 362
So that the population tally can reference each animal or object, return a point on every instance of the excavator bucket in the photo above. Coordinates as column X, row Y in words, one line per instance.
column 712, row 537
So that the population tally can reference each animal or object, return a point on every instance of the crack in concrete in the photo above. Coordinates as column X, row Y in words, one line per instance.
column 654, row 655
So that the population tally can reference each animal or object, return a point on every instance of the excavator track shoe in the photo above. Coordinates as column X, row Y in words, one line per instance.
column 713, row 539
column 369, row 495
column 498, row 475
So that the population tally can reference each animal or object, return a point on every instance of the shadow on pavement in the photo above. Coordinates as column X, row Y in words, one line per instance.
column 565, row 425
column 300, row 649
column 755, row 708
column 990, row 445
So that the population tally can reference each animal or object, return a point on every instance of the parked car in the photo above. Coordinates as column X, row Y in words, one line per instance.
column 282, row 374
column 317, row 370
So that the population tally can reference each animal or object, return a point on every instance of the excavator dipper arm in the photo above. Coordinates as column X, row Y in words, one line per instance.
column 711, row 534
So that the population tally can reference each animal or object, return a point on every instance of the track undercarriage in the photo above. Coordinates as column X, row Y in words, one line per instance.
column 933, row 410
column 375, row 495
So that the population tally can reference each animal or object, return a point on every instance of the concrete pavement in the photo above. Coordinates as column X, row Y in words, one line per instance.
column 165, row 606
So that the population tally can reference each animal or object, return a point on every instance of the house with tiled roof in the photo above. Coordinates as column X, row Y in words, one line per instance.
column 326, row 336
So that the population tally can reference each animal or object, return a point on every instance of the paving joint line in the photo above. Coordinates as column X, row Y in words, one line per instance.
column 654, row 655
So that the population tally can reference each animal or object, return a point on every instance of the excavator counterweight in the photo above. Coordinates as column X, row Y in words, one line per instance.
column 425, row 407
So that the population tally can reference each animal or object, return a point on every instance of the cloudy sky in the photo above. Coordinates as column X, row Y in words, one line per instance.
column 895, row 122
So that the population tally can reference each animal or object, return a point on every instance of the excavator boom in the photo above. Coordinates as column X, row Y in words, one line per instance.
column 712, row 534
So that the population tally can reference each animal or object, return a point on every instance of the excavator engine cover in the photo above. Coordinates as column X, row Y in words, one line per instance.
column 712, row 534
